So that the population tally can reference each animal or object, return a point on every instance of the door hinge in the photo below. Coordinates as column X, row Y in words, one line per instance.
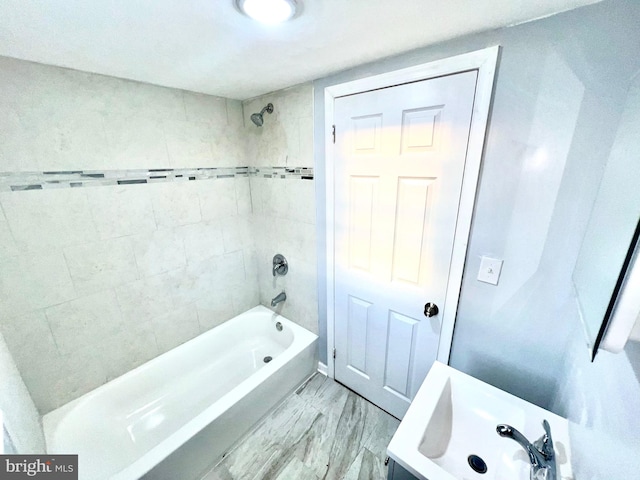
column 334, row 134
column 334, row 353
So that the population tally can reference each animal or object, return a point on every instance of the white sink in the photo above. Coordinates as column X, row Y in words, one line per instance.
column 454, row 416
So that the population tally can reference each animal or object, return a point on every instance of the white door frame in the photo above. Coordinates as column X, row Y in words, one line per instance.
column 485, row 62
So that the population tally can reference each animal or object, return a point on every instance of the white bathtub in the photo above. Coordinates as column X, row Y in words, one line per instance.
column 176, row 415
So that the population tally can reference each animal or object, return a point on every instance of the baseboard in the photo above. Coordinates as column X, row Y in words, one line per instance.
column 323, row 369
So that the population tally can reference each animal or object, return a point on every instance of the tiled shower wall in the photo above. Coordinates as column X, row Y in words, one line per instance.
column 22, row 430
column 97, row 280
column 284, row 208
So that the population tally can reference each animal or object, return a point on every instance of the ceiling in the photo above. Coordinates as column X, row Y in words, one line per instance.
column 207, row 46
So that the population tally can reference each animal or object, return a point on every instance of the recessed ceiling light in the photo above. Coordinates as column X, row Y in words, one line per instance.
column 268, row 11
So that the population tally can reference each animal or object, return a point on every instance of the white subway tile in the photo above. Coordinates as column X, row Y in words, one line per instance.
column 121, row 210
column 18, row 142
column 257, row 187
column 13, row 75
column 305, row 128
column 8, row 246
column 83, row 371
column 31, row 282
column 243, row 195
column 274, row 197
column 176, row 203
column 129, row 98
column 228, row 146
column 238, row 233
column 234, row 113
column 90, row 92
column 188, row 284
column 56, row 381
column 202, row 240
column 217, row 198
column 205, row 108
column 176, row 327
column 215, row 309
column 29, row 338
column 229, row 270
column 45, row 378
column 128, row 349
column 245, row 296
column 291, row 144
column 272, row 146
column 301, row 202
column 158, row 251
column 296, row 101
column 298, row 238
column 265, row 229
column 188, row 144
column 202, row 279
column 251, row 265
column 144, row 299
column 64, row 138
column 10, row 162
column 44, row 219
column 84, row 321
column 136, row 141
column 101, row 265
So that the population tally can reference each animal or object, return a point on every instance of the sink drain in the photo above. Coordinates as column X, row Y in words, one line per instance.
column 267, row 359
column 477, row 464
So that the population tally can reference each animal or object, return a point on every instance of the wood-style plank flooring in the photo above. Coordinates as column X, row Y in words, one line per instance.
column 323, row 431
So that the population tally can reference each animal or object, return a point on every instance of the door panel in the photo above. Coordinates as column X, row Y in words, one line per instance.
column 401, row 338
column 419, row 129
column 367, row 134
column 358, row 322
column 363, row 202
column 400, row 155
column 412, row 219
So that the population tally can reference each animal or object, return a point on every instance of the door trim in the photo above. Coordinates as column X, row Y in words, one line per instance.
column 485, row 62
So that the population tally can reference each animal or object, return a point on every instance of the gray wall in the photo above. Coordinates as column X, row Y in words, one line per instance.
column 600, row 397
column 560, row 91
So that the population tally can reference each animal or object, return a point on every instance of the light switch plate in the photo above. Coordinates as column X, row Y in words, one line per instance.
column 490, row 269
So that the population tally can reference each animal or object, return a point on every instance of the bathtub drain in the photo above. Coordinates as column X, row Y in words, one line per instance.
column 477, row 464
column 267, row 359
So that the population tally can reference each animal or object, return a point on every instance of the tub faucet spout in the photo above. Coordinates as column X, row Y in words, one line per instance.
column 281, row 297
column 541, row 453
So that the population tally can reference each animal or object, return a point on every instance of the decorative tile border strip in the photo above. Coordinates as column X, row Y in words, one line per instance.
column 303, row 173
column 20, row 181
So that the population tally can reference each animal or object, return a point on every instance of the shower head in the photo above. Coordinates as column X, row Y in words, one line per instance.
column 257, row 117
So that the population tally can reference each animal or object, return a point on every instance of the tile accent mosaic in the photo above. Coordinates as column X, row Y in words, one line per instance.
column 303, row 173
column 20, row 181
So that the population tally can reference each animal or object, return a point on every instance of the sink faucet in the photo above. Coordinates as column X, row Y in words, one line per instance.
column 281, row 297
column 541, row 453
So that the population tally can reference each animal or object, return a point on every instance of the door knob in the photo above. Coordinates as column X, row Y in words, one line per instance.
column 430, row 309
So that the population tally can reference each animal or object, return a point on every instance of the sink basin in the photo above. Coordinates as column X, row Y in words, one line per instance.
column 454, row 416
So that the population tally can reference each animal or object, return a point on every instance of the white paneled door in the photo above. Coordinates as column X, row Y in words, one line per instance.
column 399, row 163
